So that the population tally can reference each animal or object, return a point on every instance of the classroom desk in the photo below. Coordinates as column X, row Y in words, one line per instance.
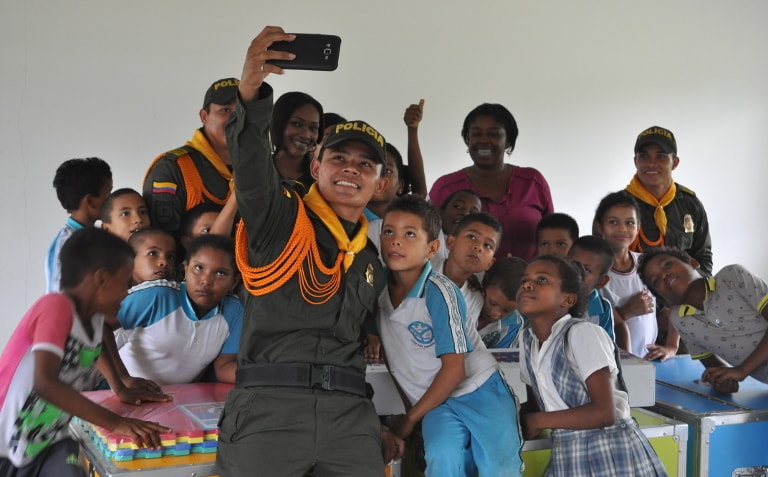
column 172, row 414
column 726, row 432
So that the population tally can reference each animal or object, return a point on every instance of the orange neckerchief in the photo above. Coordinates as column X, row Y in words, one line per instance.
column 200, row 142
column 301, row 255
column 637, row 189
column 315, row 201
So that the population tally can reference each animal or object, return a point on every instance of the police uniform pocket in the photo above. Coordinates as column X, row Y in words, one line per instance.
column 235, row 414
column 685, row 241
column 359, row 302
column 165, row 214
column 366, row 293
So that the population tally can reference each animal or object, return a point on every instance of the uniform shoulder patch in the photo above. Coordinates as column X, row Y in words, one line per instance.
column 178, row 152
column 686, row 190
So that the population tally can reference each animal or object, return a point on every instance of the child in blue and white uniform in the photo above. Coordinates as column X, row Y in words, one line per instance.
column 171, row 332
column 499, row 322
column 596, row 257
column 452, row 384
column 81, row 186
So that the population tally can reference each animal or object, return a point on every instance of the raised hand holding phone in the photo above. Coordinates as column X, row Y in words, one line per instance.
column 257, row 65
column 313, row 52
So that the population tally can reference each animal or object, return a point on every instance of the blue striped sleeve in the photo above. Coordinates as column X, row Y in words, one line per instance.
column 448, row 311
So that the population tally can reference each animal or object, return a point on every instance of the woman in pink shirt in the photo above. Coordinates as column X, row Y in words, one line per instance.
column 518, row 196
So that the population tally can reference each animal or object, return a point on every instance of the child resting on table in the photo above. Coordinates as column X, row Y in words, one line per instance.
column 52, row 355
column 722, row 319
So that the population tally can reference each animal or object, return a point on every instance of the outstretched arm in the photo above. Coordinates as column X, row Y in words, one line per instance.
column 256, row 67
column 129, row 389
column 258, row 189
column 722, row 377
column 226, row 218
column 49, row 387
column 671, row 345
column 412, row 118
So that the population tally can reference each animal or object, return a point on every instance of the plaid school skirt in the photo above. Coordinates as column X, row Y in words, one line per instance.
column 619, row 450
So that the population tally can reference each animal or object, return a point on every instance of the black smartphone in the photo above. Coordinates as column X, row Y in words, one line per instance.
column 313, row 52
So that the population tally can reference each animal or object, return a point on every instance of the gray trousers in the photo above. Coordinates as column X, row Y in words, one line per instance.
column 274, row 431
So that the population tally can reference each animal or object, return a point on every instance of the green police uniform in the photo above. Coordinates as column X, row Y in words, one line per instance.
column 169, row 192
column 687, row 226
column 285, row 428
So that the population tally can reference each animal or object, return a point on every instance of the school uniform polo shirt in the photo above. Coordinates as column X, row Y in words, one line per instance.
column 599, row 312
column 502, row 333
column 164, row 340
column 622, row 286
column 473, row 298
column 52, row 262
column 430, row 321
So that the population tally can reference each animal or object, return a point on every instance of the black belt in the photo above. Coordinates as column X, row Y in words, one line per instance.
column 301, row 375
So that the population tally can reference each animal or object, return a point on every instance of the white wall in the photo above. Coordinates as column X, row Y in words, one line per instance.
column 124, row 81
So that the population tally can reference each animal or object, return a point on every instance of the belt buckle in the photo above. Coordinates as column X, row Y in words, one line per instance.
column 320, row 377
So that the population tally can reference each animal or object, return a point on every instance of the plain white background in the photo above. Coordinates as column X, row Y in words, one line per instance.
column 124, row 81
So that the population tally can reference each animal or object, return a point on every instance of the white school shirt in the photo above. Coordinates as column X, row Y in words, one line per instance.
column 430, row 322
column 473, row 298
column 643, row 329
column 589, row 349
column 162, row 338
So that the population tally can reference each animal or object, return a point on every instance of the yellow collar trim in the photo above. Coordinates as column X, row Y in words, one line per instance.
column 688, row 310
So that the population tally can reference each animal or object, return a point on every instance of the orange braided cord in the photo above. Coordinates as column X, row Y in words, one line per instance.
column 193, row 184
column 299, row 255
column 311, row 289
column 640, row 239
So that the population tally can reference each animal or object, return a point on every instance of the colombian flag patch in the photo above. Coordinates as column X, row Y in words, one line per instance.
column 164, row 188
